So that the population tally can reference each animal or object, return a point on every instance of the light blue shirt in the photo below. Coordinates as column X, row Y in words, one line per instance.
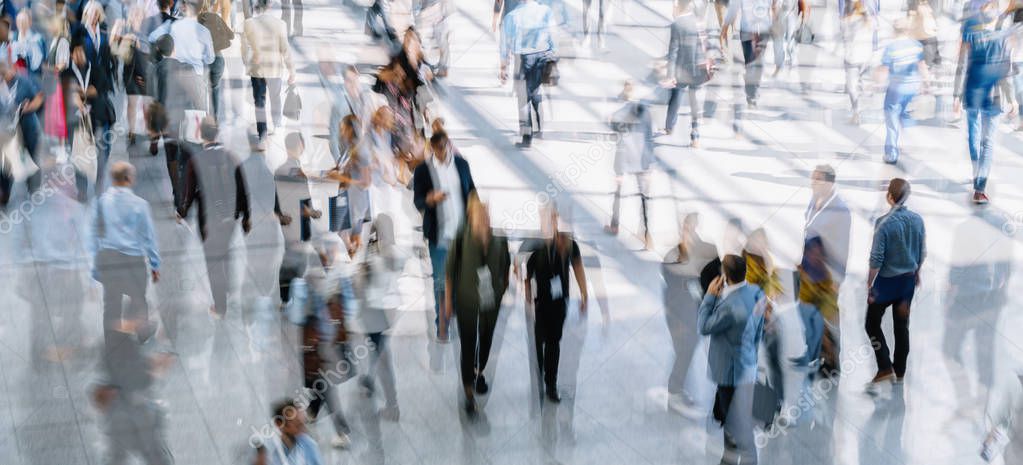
column 755, row 16
column 304, row 452
column 529, row 28
column 128, row 225
column 193, row 44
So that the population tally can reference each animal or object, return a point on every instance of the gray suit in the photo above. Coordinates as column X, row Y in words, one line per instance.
column 735, row 333
column 832, row 224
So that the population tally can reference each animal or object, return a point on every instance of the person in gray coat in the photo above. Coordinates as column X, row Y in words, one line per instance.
column 732, row 316
column 633, row 155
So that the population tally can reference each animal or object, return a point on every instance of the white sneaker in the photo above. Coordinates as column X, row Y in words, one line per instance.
column 681, row 405
column 993, row 444
column 341, row 441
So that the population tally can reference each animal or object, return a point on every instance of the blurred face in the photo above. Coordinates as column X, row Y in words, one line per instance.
column 819, row 185
column 293, row 422
column 24, row 22
column 78, row 56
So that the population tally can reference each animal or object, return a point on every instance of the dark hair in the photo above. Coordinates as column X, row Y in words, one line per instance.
column 260, row 5
column 898, row 189
column 826, row 172
column 165, row 45
column 734, row 268
column 292, row 140
column 166, row 4
column 156, row 117
column 208, row 129
column 439, row 140
column 285, row 410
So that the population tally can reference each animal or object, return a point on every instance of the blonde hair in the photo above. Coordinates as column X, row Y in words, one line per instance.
column 93, row 8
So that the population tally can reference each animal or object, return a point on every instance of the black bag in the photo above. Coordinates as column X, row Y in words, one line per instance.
column 551, row 75
column 766, row 403
column 292, row 104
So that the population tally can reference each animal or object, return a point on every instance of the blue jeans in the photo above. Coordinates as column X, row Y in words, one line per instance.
column 216, row 75
column 438, row 260
column 896, row 115
column 813, row 331
column 980, row 129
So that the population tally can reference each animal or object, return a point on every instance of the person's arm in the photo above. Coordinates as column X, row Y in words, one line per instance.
column 713, row 320
column 206, row 39
column 498, row 6
column 552, row 30
column 960, row 75
column 726, row 23
column 580, row 279
column 149, row 242
column 673, row 49
column 242, row 200
column 877, row 253
column 285, row 50
column 34, row 103
column 508, row 30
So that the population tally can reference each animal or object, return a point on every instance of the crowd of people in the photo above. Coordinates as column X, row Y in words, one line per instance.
column 99, row 94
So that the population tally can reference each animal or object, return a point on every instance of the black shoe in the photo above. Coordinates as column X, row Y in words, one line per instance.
column 481, row 384
column 553, row 396
column 527, row 141
column 470, row 406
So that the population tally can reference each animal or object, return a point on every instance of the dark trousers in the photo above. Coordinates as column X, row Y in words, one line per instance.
column 292, row 9
column 752, row 56
column 733, row 408
column 895, row 292
column 476, row 335
column 600, row 17
column 122, row 275
column 104, row 138
column 216, row 75
column 260, row 88
column 674, row 100
column 216, row 247
column 550, row 323
column 528, row 77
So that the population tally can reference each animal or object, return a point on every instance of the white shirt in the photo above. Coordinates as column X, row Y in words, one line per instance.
column 193, row 44
column 450, row 211
column 730, row 289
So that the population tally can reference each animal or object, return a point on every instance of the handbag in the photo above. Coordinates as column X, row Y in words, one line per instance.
column 13, row 159
column 83, row 148
column 292, row 104
column 190, row 131
column 551, row 75
column 804, row 35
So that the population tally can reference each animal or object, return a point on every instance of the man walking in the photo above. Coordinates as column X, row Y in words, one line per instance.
column 549, row 266
column 527, row 36
column 441, row 187
column 215, row 180
column 267, row 55
column 897, row 253
column 124, row 240
column 688, row 67
column 903, row 60
column 731, row 315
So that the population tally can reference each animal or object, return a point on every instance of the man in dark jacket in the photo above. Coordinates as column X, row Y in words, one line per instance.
column 214, row 178
column 441, row 187
column 94, row 86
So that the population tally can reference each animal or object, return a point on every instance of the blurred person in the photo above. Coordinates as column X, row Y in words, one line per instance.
column 352, row 171
column 193, row 43
column 352, row 97
column 633, row 154
column 547, row 272
column 829, row 221
column 476, row 278
column 221, row 35
column 291, row 14
column 441, row 189
column 858, row 36
column 89, row 89
column 292, row 445
column 126, row 37
column 689, row 67
column 267, row 56
column 1014, row 10
column 732, row 315
column 435, row 15
column 756, row 17
column 133, row 419
column 788, row 19
column 527, row 34
column 22, row 99
column 984, row 60
column 680, row 271
column 896, row 255
column 123, row 243
column 903, row 63
column 291, row 206
column 215, row 181
column 180, row 90
column 602, row 7
column 381, row 267
column 176, row 154
column 760, row 267
column 28, row 47
column 387, row 185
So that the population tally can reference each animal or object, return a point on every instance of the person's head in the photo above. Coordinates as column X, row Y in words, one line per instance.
column 349, row 129
column 733, row 268
column 122, row 174
column 289, row 418
column 411, row 43
column 756, row 242
column 439, row 145
column 165, row 45
column 628, row 88
column 822, row 180
column 383, row 119
column 166, row 5
column 901, row 26
column 192, row 7
column 549, row 220
column 477, row 215
column 898, row 191
column 209, row 130
column 260, row 6
column 437, row 125
column 78, row 54
column 93, row 13
column 683, row 6
column 24, row 22
column 294, row 143
column 156, row 119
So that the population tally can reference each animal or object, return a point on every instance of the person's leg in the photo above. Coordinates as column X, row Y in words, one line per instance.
column 552, row 349
column 216, row 248
column 644, row 188
column 755, row 68
column 487, row 325
column 259, row 100
column 747, row 60
column 875, row 313
column 138, row 276
column 104, row 137
column 273, row 88
column 989, row 122
column 601, row 21
column 586, row 17
column 385, row 370
column 111, row 278
column 900, row 320
column 286, row 15
column 852, row 88
column 438, row 259
column 540, row 328
column 674, row 100
column 522, row 98
column 892, row 125
column 297, row 28
column 694, row 113
column 616, row 205
column 467, row 321
column 216, row 75
column 316, row 400
column 534, row 76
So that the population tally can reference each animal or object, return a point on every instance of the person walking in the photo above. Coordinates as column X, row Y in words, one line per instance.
column 896, row 255
column 756, row 18
column 547, row 271
column 123, row 243
column 292, row 444
column 267, row 55
column 476, row 278
column 903, row 62
column 221, row 36
column 858, row 37
column 984, row 61
column 688, row 68
column 732, row 315
column 214, row 179
column 441, row 187
column 633, row 155
column 527, row 36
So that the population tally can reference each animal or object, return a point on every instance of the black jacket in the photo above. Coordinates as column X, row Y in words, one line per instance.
column 422, row 184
